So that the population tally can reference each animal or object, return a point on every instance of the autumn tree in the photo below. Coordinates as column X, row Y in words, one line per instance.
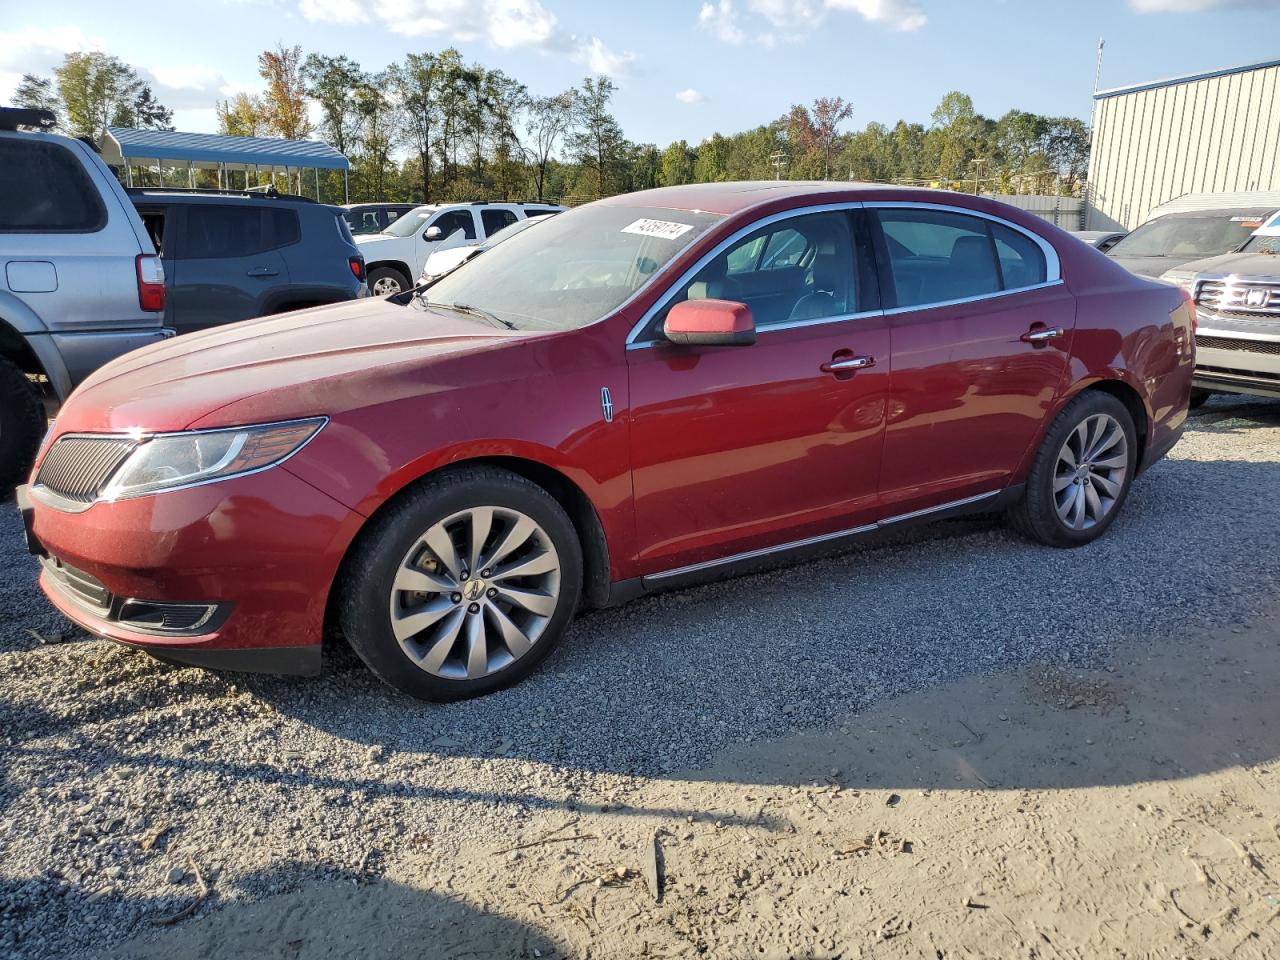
column 241, row 116
column 828, row 114
column 284, row 102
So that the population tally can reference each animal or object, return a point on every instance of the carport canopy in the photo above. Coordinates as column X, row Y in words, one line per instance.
column 128, row 147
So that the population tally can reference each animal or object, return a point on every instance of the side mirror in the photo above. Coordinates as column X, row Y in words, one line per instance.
column 713, row 323
column 433, row 233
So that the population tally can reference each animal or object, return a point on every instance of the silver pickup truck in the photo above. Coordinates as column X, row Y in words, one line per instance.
column 80, row 282
column 1238, row 316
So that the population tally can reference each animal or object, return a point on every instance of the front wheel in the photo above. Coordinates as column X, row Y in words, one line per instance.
column 22, row 424
column 1199, row 398
column 1081, row 474
column 463, row 586
column 387, row 281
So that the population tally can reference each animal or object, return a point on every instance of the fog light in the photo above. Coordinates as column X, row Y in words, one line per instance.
column 157, row 617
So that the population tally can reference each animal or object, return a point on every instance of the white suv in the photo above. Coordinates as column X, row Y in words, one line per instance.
column 395, row 257
column 80, row 282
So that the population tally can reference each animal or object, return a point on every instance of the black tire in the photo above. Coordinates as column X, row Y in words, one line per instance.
column 1035, row 516
column 392, row 274
column 366, row 582
column 22, row 425
column 1199, row 398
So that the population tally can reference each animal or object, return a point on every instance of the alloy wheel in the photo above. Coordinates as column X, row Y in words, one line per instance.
column 475, row 593
column 386, row 286
column 1091, row 470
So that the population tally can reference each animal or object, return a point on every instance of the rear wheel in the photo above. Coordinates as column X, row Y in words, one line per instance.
column 464, row 586
column 1081, row 475
column 387, row 281
column 22, row 424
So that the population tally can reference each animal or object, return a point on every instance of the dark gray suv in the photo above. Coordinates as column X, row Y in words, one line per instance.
column 236, row 255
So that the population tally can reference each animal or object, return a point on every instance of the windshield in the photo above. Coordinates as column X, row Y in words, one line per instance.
column 411, row 221
column 1187, row 238
column 574, row 269
column 1262, row 243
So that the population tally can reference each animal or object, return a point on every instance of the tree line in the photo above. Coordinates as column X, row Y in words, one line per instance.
column 435, row 127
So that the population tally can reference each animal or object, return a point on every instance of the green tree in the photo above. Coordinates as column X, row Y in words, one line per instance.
column 416, row 84
column 677, row 164
column 547, row 120
column 332, row 82
column 241, row 116
column 36, row 93
column 597, row 140
column 98, row 90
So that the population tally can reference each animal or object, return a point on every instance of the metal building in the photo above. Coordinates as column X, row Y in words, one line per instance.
column 1204, row 133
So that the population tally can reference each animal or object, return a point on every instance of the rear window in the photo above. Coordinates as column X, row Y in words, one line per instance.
column 44, row 189
column 216, row 231
column 495, row 218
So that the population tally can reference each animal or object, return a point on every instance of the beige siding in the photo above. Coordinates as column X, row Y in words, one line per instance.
column 1211, row 135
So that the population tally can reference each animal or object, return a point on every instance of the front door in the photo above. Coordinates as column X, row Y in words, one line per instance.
column 744, row 448
column 981, row 345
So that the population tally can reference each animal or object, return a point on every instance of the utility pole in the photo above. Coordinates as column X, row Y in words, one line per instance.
column 779, row 160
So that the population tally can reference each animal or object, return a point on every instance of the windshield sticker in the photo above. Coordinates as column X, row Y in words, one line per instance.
column 1247, row 221
column 665, row 229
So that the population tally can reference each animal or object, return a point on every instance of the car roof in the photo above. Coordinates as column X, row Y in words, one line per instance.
column 378, row 204
column 1247, row 213
column 736, row 197
column 219, row 196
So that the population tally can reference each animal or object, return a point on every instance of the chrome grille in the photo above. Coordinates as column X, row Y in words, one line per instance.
column 1248, row 298
column 1269, row 347
column 77, row 468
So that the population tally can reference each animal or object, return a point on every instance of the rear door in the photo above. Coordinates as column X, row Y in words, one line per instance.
column 494, row 219
column 981, row 327
column 229, row 266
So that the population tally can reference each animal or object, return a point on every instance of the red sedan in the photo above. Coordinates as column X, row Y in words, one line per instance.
column 642, row 392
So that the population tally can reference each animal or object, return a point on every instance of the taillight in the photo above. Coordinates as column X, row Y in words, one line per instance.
column 357, row 267
column 150, row 282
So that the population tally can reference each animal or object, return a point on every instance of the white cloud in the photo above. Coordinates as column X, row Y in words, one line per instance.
column 37, row 50
column 691, row 96
column 189, row 86
column 898, row 14
column 792, row 20
column 1200, row 6
column 721, row 21
column 504, row 24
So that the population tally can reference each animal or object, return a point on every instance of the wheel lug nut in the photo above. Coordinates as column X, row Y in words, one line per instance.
column 474, row 608
column 493, row 592
column 486, row 573
column 455, row 598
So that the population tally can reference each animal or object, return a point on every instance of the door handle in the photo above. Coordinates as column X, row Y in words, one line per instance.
column 1042, row 336
column 262, row 272
column 845, row 364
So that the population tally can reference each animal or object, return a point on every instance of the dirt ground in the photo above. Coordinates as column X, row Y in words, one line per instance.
column 1131, row 812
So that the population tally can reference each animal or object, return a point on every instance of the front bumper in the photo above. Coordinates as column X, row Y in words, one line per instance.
column 262, row 551
column 1238, row 355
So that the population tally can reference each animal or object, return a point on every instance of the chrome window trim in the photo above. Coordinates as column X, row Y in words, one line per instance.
column 932, row 305
column 634, row 344
column 51, row 499
column 1052, row 263
column 822, row 538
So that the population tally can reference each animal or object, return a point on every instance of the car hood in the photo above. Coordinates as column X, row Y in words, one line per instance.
column 1147, row 266
column 379, row 239
column 310, row 362
column 1235, row 264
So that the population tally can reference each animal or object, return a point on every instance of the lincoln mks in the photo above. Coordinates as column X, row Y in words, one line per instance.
column 644, row 392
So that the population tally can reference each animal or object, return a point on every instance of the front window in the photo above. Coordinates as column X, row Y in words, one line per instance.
column 410, row 222
column 574, row 269
column 1187, row 238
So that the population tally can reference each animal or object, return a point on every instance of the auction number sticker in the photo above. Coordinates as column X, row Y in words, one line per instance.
column 665, row 229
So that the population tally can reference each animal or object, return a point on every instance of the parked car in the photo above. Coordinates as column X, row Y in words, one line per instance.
column 235, row 255
column 641, row 393
column 80, row 282
column 1172, row 239
column 446, row 261
column 400, row 252
column 365, row 218
column 1101, row 240
column 1237, row 299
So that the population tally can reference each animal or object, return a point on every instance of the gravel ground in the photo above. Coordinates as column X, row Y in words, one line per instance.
column 118, row 773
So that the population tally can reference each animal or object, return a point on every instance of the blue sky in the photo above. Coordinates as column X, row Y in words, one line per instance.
column 684, row 69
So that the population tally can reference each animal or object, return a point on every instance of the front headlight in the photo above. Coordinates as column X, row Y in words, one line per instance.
column 171, row 460
column 1187, row 281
